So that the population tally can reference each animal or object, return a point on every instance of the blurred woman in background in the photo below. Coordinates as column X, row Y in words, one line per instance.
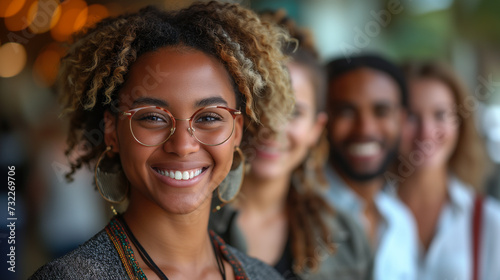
column 280, row 217
column 444, row 169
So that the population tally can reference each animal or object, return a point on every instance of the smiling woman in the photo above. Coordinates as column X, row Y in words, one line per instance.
column 158, row 102
column 156, row 144
column 457, row 227
column 282, row 217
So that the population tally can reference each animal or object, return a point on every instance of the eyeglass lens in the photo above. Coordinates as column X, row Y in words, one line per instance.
column 211, row 126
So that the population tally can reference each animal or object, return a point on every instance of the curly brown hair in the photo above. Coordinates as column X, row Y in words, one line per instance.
column 98, row 62
column 307, row 211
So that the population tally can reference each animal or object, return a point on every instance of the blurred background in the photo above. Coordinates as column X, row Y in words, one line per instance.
column 54, row 216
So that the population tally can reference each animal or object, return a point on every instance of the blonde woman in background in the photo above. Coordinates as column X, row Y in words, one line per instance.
column 280, row 218
column 439, row 178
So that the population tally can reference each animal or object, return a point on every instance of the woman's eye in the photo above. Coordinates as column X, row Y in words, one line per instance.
column 382, row 111
column 152, row 118
column 296, row 113
column 440, row 115
column 208, row 118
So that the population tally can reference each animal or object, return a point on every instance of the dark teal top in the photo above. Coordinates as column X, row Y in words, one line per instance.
column 352, row 260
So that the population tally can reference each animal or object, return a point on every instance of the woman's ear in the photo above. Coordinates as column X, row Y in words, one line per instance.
column 318, row 127
column 110, row 133
column 238, row 130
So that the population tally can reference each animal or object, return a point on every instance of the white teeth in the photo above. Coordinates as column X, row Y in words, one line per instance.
column 180, row 175
column 364, row 149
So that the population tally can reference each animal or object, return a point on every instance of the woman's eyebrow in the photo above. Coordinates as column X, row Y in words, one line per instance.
column 149, row 101
column 216, row 100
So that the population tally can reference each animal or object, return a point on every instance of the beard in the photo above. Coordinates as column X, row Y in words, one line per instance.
column 343, row 165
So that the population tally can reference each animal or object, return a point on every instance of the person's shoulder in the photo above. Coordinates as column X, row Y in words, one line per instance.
column 345, row 229
column 491, row 206
column 492, row 211
column 254, row 268
column 353, row 256
column 95, row 259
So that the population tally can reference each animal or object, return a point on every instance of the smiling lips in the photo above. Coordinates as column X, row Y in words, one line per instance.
column 180, row 175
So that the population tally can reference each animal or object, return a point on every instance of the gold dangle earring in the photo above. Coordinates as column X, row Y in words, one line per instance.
column 110, row 180
column 231, row 185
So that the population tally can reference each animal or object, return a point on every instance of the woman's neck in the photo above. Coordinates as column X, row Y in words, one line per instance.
column 264, row 195
column 263, row 217
column 425, row 194
column 171, row 240
column 429, row 185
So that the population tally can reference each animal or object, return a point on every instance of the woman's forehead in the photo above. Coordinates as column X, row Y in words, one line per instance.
column 178, row 76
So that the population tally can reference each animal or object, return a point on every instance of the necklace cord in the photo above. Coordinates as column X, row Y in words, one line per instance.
column 142, row 252
column 220, row 264
column 152, row 265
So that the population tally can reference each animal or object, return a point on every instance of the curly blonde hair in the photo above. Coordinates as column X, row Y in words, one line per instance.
column 97, row 64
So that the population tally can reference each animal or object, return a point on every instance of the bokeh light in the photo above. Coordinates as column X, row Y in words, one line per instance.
column 23, row 18
column 46, row 15
column 95, row 13
column 12, row 58
column 46, row 65
column 70, row 20
column 9, row 8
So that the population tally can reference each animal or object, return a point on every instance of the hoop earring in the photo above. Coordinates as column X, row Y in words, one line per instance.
column 110, row 180
column 231, row 185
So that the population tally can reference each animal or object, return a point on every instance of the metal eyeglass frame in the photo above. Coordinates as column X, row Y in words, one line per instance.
column 131, row 112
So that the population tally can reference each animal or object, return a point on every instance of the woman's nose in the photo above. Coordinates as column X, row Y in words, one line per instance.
column 182, row 142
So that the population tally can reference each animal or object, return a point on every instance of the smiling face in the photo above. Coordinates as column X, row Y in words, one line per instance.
column 180, row 81
column 365, row 118
column 280, row 156
column 431, row 131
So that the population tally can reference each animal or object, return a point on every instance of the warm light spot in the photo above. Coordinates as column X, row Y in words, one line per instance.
column 80, row 19
column 9, row 8
column 22, row 19
column 12, row 59
column 69, row 19
column 46, row 65
column 96, row 13
column 55, row 17
column 47, row 13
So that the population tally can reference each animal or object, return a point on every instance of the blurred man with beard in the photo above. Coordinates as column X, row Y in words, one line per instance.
column 366, row 102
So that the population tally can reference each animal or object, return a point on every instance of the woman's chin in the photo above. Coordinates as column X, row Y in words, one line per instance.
column 431, row 164
column 266, row 172
column 184, row 204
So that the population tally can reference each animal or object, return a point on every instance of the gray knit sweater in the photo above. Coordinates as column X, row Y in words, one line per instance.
column 98, row 259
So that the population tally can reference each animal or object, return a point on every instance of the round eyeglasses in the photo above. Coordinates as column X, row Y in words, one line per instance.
column 152, row 126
